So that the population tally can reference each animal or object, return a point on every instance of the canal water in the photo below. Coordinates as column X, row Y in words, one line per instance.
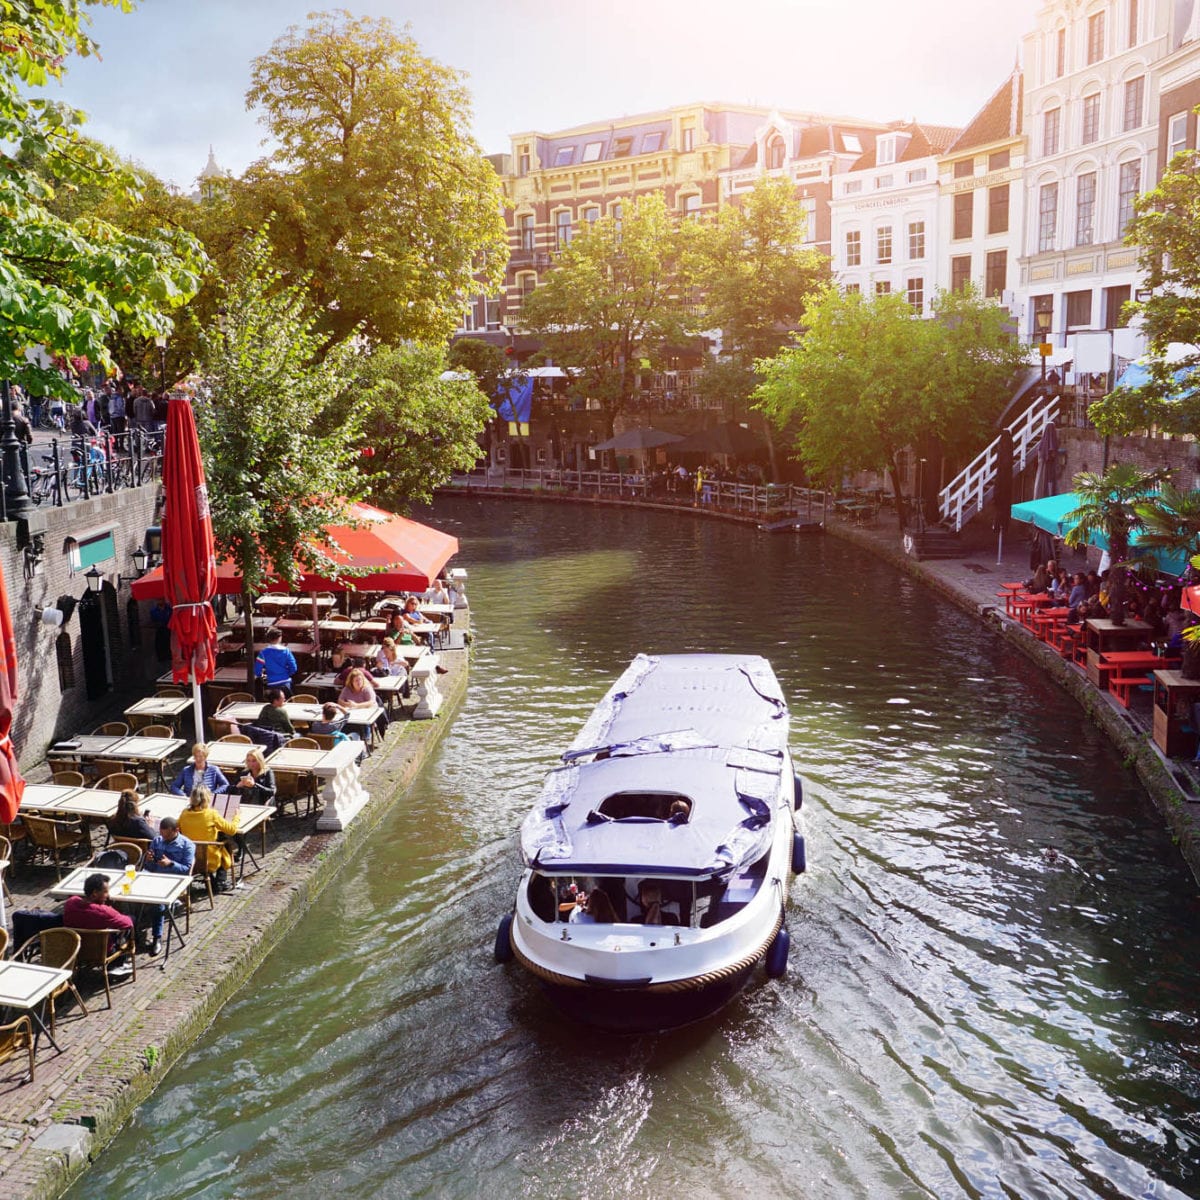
column 963, row 1016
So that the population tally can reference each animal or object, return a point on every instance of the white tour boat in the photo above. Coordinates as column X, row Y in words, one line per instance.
column 659, row 853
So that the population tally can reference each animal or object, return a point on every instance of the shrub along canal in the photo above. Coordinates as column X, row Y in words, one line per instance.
column 964, row 1015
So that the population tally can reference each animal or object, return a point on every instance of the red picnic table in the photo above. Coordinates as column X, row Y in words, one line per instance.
column 1008, row 594
column 1123, row 670
column 1045, row 622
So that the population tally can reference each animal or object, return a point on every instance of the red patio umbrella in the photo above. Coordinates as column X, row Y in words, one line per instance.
column 400, row 556
column 12, row 785
column 189, row 563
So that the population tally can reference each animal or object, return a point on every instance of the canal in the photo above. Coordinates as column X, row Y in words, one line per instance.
column 965, row 1014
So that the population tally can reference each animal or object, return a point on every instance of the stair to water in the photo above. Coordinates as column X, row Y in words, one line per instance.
column 934, row 542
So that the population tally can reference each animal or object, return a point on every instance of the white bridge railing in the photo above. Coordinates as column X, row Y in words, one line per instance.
column 972, row 488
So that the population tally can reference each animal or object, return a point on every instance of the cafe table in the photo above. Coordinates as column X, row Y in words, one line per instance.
column 246, row 712
column 152, row 750
column 83, row 748
column 1046, row 619
column 250, row 817
column 376, row 627
column 153, row 709
column 299, row 625
column 230, row 756
column 26, row 986
column 145, row 889
column 342, row 791
column 389, row 686
column 1008, row 594
column 91, row 804
column 231, row 674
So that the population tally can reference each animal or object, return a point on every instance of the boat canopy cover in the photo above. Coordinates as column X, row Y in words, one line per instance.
column 711, row 729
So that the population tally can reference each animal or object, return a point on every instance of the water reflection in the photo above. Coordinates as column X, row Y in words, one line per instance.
column 963, row 1017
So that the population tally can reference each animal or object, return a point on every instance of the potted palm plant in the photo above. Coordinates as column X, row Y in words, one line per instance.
column 1108, row 506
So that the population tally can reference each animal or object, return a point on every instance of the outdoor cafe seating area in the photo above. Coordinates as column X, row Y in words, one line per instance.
column 1127, row 662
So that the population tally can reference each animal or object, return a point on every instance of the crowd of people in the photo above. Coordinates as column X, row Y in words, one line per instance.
column 113, row 407
column 1085, row 593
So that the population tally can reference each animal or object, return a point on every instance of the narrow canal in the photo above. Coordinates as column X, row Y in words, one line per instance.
column 963, row 1017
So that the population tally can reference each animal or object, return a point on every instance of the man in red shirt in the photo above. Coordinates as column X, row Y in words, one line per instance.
column 92, row 911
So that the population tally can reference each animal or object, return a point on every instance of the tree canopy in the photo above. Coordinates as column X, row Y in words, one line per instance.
column 1166, row 230
column 612, row 299
column 68, row 281
column 868, row 378
column 376, row 191
column 277, row 473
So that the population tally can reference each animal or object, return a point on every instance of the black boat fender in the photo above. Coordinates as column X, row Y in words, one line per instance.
column 777, row 954
column 797, row 792
column 799, row 854
column 503, row 951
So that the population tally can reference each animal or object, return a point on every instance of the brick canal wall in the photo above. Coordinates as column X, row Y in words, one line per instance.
column 53, row 677
column 111, row 1062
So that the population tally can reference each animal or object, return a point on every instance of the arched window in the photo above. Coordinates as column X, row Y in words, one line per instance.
column 690, row 206
column 776, row 153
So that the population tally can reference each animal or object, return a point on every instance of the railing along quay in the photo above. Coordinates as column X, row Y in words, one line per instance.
column 767, row 502
column 79, row 468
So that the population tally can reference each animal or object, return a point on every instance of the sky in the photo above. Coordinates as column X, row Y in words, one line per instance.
column 173, row 74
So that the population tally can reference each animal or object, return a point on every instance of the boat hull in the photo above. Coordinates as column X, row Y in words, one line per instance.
column 640, row 1010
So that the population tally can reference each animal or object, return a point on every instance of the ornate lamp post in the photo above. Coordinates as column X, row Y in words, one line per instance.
column 1042, row 320
column 17, row 504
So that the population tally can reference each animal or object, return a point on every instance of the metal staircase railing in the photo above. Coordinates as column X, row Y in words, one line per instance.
column 964, row 497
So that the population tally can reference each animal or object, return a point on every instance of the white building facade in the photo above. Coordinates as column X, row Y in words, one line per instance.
column 884, row 216
column 1091, row 122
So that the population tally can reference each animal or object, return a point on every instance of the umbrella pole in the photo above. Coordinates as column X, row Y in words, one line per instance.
column 316, row 629
column 1000, row 548
column 197, row 706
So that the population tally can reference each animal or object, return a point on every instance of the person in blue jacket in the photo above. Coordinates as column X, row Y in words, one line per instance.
column 276, row 664
column 199, row 770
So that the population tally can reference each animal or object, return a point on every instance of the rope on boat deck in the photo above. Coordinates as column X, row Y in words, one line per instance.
column 674, row 985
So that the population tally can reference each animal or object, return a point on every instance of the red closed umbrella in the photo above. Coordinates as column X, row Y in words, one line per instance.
column 189, row 569
column 12, row 786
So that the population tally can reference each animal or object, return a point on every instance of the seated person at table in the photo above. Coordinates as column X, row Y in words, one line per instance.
column 255, row 781
column 458, row 593
column 273, row 715
column 202, row 823
column 276, row 664
column 438, row 593
column 93, row 911
column 341, row 664
column 412, row 615
column 388, row 659
column 199, row 770
column 1038, row 584
column 1079, row 592
column 129, row 822
column 170, row 854
column 359, row 692
column 332, row 724
column 397, row 627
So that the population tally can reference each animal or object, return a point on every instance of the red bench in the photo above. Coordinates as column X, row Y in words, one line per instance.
column 1122, row 686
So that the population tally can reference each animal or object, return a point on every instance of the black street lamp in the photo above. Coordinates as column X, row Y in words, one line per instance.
column 95, row 581
column 17, row 504
column 161, row 343
column 1042, row 320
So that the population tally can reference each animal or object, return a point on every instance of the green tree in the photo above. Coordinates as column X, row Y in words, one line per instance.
column 1166, row 231
column 1109, row 505
column 67, row 281
column 868, row 378
column 1170, row 521
column 275, row 479
column 376, row 191
column 612, row 300
column 420, row 427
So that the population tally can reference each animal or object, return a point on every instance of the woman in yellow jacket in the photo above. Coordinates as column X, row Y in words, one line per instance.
column 202, row 823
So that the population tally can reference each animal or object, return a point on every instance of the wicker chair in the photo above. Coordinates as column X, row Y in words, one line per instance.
column 56, row 947
column 16, row 835
column 325, row 741
column 170, row 693
column 199, row 875
column 50, row 838
column 134, row 850
column 237, row 698
column 70, row 779
column 239, row 739
column 97, row 952
column 112, row 729
column 5, row 853
column 304, row 698
column 303, row 743
column 118, row 781
column 156, row 731
column 16, row 1039
column 291, row 787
